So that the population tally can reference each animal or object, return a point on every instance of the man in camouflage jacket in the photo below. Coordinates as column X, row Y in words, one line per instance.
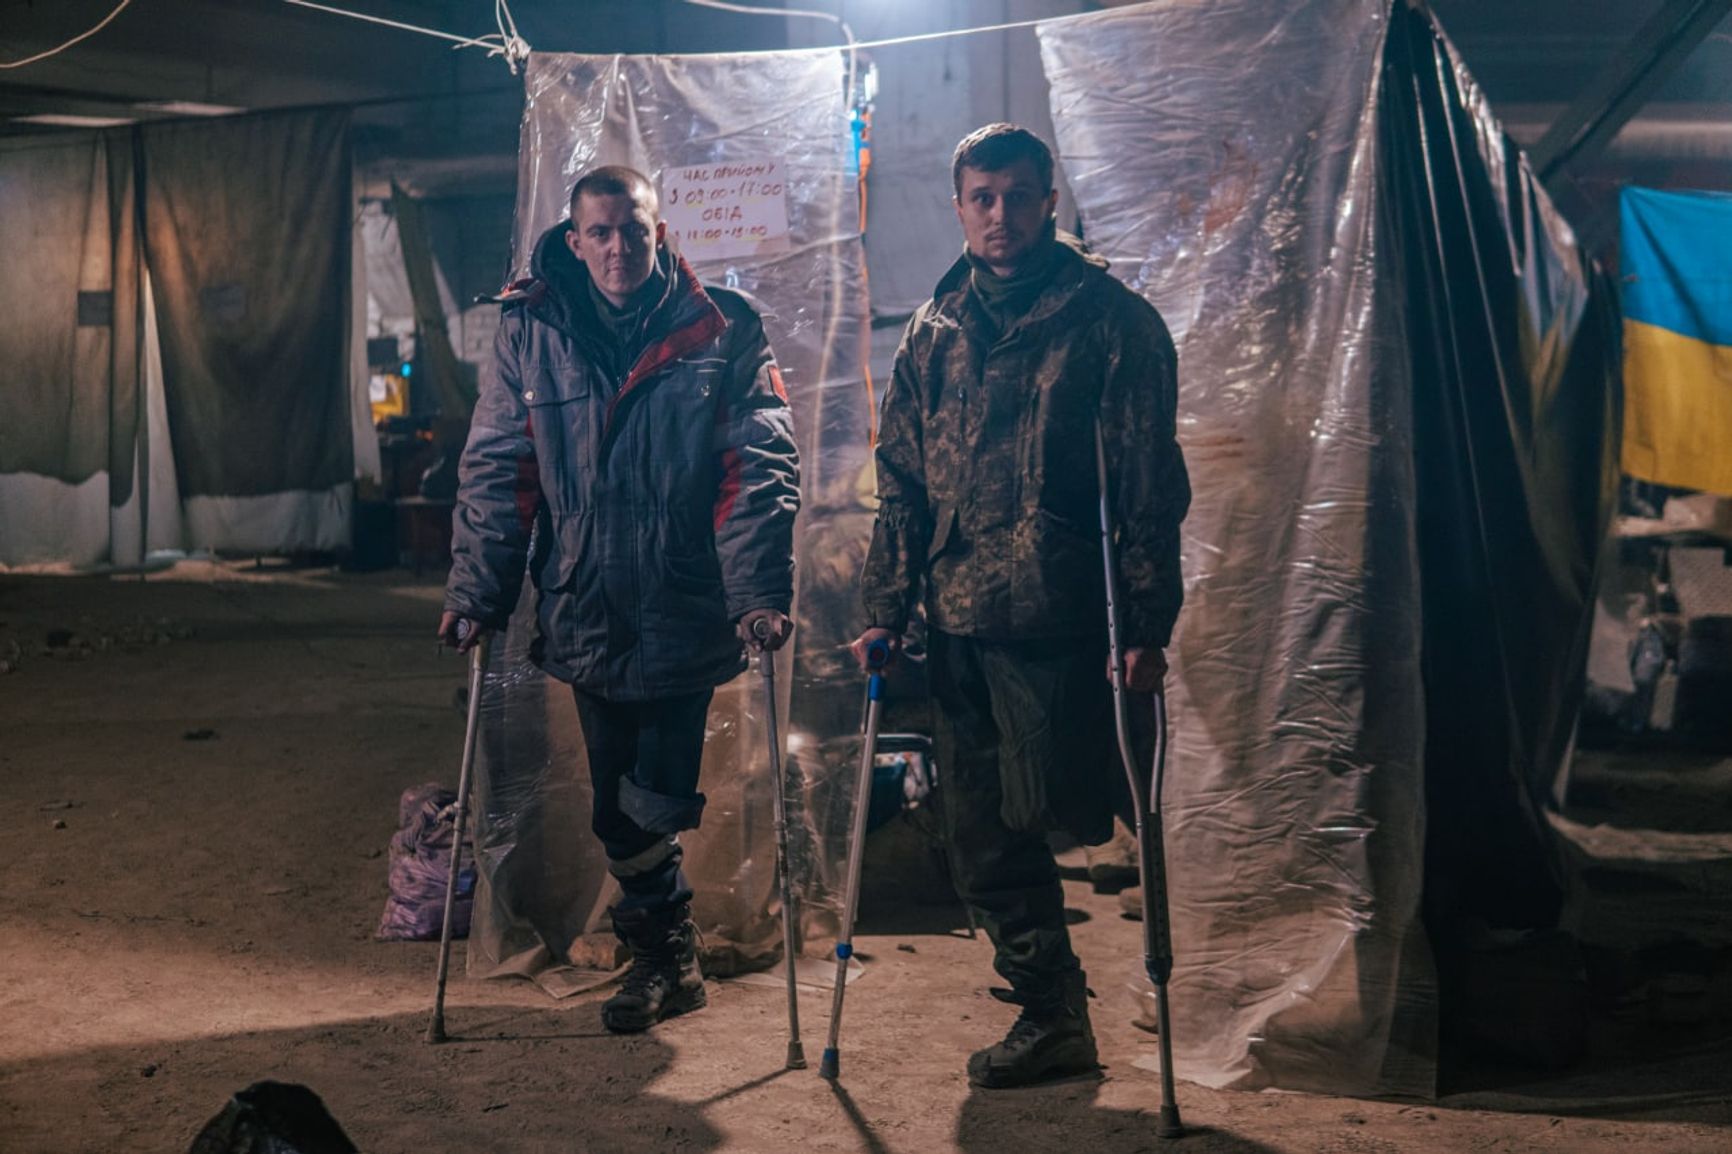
column 989, row 515
column 636, row 456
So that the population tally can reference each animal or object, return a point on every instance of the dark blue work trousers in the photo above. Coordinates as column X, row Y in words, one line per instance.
column 643, row 765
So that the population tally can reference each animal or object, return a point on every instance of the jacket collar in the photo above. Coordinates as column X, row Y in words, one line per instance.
column 564, row 302
column 1076, row 271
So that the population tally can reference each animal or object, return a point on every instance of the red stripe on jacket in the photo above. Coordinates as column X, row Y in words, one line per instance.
column 729, row 490
column 527, row 490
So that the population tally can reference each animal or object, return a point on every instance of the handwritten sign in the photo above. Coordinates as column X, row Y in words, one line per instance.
column 723, row 211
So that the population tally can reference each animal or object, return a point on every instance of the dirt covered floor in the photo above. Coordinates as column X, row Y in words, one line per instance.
column 201, row 774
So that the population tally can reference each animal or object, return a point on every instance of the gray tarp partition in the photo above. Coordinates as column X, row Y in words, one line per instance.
column 1225, row 158
column 247, row 235
column 544, row 882
column 71, row 373
column 196, row 367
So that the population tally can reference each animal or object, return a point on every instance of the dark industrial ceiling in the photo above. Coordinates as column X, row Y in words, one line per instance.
column 1533, row 58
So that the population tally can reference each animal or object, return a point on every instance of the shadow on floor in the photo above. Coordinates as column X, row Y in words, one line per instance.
column 386, row 1087
column 1052, row 1117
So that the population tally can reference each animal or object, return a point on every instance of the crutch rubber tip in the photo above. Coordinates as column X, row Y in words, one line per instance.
column 435, row 1032
column 1169, row 1125
column 796, row 1056
column 830, row 1066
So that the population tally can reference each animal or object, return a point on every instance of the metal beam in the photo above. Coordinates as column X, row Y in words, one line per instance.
column 1619, row 91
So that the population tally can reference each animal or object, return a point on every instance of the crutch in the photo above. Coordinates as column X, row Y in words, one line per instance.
column 472, row 729
column 877, row 657
column 767, row 667
column 1157, row 933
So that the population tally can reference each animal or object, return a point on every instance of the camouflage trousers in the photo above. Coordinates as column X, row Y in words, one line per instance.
column 1025, row 745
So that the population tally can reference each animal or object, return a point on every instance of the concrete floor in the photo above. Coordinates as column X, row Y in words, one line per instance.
column 197, row 806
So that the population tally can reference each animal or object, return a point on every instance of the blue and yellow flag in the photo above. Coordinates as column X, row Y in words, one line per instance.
column 1677, row 266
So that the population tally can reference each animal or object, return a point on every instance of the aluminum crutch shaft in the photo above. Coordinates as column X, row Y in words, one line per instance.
column 471, row 730
column 877, row 657
column 1146, row 808
column 767, row 667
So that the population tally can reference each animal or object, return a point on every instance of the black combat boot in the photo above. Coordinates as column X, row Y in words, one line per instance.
column 664, row 978
column 1050, row 1039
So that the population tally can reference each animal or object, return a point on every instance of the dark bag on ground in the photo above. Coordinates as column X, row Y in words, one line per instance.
column 273, row 1118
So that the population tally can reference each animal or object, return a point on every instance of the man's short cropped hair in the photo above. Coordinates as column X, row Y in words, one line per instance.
column 617, row 180
column 998, row 146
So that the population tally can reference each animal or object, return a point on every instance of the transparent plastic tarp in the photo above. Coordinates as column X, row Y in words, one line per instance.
column 1224, row 159
column 544, row 891
column 1394, row 399
column 1397, row 387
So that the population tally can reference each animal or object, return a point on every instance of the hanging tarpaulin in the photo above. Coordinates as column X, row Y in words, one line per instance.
column 1511, row 332
column 1677, row 273
column 454, row 394
column 184, row 384
column 70, row 350
column 750, row 155
column 247, row 236
column 1226, row 163
column 1396, row 376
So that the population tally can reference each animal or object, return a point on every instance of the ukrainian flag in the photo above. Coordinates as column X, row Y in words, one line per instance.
column 1677, row 273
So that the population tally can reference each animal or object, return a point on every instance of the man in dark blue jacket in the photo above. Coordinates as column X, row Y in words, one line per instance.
column 636, row 454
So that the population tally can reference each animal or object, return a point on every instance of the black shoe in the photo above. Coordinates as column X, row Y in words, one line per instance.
column 664, row 979
column 1050, row 1039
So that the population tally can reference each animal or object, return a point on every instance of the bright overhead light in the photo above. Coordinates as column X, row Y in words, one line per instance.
column 70, row 120
column 186, row 108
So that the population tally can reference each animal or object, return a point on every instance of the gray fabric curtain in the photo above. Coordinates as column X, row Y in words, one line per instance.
column 246, row 232
column 69, row 328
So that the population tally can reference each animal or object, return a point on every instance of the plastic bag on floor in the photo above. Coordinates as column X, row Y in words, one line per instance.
column 420, row 865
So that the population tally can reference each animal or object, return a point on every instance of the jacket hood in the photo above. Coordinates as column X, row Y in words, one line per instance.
column 566, row 301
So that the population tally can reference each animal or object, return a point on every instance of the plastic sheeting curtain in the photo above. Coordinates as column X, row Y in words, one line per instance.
column 544, row 886
column 1224, row 158
column 1396, row 382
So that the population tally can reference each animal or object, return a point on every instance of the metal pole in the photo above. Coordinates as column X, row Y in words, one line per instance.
column 767, row 667
column 1157, row 933
column 471, row 730
column 877, row 657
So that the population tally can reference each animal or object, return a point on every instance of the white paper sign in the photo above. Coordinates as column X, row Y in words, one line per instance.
column 722, row 211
